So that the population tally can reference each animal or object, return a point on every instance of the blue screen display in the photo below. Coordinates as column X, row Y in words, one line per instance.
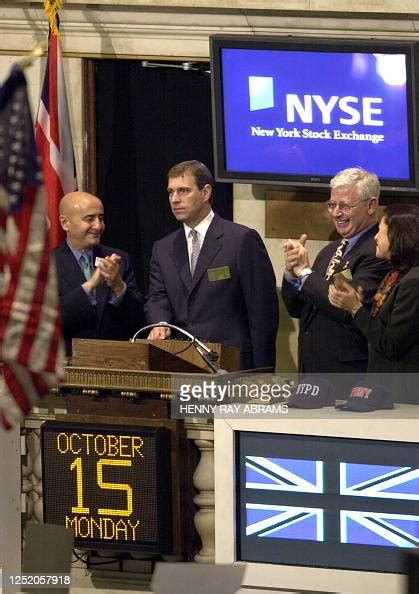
column 329, row 502
column 314, row 113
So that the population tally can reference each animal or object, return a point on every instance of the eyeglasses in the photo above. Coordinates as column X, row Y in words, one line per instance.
column 342, row 206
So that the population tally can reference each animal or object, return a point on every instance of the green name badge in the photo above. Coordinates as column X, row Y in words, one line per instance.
column 221, row 273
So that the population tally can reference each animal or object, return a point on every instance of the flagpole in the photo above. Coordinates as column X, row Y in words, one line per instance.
column 52, row 129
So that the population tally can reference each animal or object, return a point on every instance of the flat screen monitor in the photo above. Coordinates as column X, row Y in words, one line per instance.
column 326, row 501
column 295, row 111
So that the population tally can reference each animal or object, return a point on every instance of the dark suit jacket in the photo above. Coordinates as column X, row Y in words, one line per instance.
column 393, row 334
column 80, row 318
column 234, row 305
column 328, row 341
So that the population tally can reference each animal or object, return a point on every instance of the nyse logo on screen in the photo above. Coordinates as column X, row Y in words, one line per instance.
column 324, row 494
column 348, row 110
column 261, row 92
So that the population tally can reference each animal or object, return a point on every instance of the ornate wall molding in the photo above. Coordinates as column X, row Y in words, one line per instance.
column 181, row 29
column 374, row 6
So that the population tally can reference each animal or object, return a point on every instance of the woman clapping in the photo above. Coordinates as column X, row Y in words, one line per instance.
column 392, row 326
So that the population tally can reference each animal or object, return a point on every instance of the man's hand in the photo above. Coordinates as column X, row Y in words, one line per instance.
column 94, row 281
column 296, row 255
column 343, row 296
column 109, row 268
column 159, row 333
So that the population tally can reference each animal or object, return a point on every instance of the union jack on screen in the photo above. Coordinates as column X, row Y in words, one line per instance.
column 284, row 521
column 268, row 520
column 283, row 474
column 383, row 482
column 53, row 138
column 276, row 481
column 30, row 340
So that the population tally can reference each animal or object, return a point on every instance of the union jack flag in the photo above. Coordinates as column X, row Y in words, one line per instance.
column 284, row 521
column 266, row 520
column 379, row 528
column 384, row 482
column 30, row 342
column 284, row 474
column 281, row 478
column 373, row 480
column 53, row 136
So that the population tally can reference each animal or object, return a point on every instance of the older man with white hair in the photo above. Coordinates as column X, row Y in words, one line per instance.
column 328, row 341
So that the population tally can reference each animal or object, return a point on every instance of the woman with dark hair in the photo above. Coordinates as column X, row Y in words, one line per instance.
column 392, row 326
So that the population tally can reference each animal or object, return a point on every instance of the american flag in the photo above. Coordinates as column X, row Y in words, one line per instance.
column 53, row 137
column 30, row 339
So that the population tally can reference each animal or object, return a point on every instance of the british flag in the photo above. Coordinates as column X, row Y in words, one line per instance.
column 284, row 521
column 373, row 480
column 266, row 520
column 275, row 511
column 284, row 474
column 379, row 529
column 53, row 136
column 383, row 482
column 30, row 339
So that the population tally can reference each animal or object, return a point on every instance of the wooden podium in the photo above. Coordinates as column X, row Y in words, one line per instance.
column 151, row 355
column 145, row 370
column 125, row 385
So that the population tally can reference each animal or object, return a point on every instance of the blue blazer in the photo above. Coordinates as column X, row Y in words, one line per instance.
column 231, row 298
column 81, row 319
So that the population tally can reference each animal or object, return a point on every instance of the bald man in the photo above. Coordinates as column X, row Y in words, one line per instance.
column 98, row 293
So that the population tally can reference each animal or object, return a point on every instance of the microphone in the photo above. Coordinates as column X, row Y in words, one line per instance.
column 209, row 356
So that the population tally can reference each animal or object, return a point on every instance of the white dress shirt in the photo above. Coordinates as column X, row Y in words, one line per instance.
column 201, row 229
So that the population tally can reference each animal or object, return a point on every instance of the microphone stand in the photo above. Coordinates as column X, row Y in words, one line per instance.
column 210, row 357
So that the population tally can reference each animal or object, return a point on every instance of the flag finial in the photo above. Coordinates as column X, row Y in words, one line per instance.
column 51, row 8
column 29, row 59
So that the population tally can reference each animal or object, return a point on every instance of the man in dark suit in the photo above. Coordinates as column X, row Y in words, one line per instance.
column 212, row 277
column 328, row 341
column 98, row 293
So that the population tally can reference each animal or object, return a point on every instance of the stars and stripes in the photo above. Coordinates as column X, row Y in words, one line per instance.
column 30, row 340
column 53, row 136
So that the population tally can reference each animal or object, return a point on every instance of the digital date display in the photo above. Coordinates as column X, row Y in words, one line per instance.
column 109, row 484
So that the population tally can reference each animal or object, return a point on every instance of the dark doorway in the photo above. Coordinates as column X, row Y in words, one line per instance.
column 145, row 120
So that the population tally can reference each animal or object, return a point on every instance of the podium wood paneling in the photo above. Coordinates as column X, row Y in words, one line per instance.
column 150, row 355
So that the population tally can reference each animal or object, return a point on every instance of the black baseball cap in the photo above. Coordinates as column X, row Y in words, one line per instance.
column 366, row 397
column 312, row 392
